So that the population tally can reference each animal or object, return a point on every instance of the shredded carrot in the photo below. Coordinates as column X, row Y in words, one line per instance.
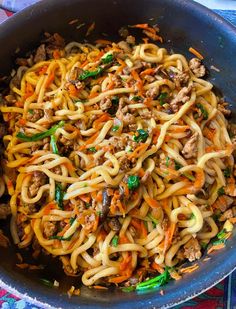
column 29, row 90
column 48, row 208
column 232, row 220
column 140, row 26
column 141, row 172
column 145, row 40
column 216, row 247
column 156, row 134
column 220, row 202
column 189, row 269
column 123, row 239
column 119, row 279
column 22, row 122
column 43, row 70
column 56, row 54
column 19, row 104
column 138, row 79
column 69, row 166
column 121, row 67
column 73, row 91
column 100, row 287
column 89, row 141
column 85, row 198
column 152, row 35
column 136, row 224
column 50, row 79
column 152, row 203
column 138, row 151
column 84, row 63
column 143, row 230
column 125, row 265
column 157, row 267
column 98, row 122
column 101, row 235
column 149, row 71
column 90, row 29
column 209, row 133
column 169, row 236
column 196, row 53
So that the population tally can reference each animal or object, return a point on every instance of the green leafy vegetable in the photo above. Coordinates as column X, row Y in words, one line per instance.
column 72, row 220
column 86, row 74
column 39, row 136
column 155, row 282
column 115, row 128
column 92, row 149
column 46, row 282
column 87, row 205
column 61, row 237
column 221, row 191
column 141, row 137
column 162, row 98
column 219, row 241
column 31, row 111
column 59, row 194
column 133, row 182
column 227, row 172
column 222, row 234
column 167, row 161
column 137, row 98
column 192, row 216
column 53, row 144
column 107, row 59
column 203, row 111
column 154, row 220
column 177, row 166
column 115, row 241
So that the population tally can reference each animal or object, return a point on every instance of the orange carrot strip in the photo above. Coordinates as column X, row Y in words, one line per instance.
column 89, row 141
column 73, row 91
column 50, row 79
column 152, row 203
column 98, row 122
column 56, row 54
column 85, row 198
column 147, row 72
column 118, row 279
column 169, row 236
column 195, row 53
column 140, row 149
column 43, row 70
column 157, row 267
column 99, row 287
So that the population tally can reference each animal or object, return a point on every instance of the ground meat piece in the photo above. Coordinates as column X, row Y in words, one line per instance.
column 180, row 254
column 39, row 179
column 125, row 46
column 165, row 224
column 181, row 78
column 125, row 164
column 190, row 148
column 181, row 97
column 34, row 115
column 226, row 215
column 132, row 281
column 105, row 104
column 73, row 75
column 130, row 39
column 30, row 209
column 118, row 83
column 49, row 229
column 114, row 224
column 3, row 130
column 152, row 92
column 132, row 127
column 192, row 250
column 128, row 119
column 5, row 211
column 48, row 113
column 197, row 67
column 223, row 108
column 89, row 222
column 224, row 206
column 123, row 32
column 54, row 40
column 40, row 53
column 145, row 114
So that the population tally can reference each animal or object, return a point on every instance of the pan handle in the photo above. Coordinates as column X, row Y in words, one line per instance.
column 16, row 5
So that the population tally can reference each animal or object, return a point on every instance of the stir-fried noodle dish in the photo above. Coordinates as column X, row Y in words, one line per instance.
column 117, row 158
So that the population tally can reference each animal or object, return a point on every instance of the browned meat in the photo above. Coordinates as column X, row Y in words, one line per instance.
column 223, row 108
column 224, row 206
column 3, row 130
column 128, row 119
column 130, row 39
column 181, row 78
column 197, row 67
column 125, row 47
column 226, row 215
column 89, row 222
column 40, row 54
column 192, row 250
column 74, row 73
column 30, row 209
column 34, row 115
column 105, row 104
column 39, row 179
column 152, row 92
column 120, row 143
column 182, row 97
column 54, row 41
column 125, row 164
column 146, row 114
column 190, row 148
column 48, row 113
column 46, row 143
column 5, row 211
column 123, row 32
column 106, row 203
column 49, row 229
column 114, row 224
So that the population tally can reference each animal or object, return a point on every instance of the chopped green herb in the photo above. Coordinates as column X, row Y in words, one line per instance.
column 87, row 205
column 155, row 282
column 115, row 128
column 31, row 111
column 222, row 234
column 137, row 98
column 154, row 220
column 162, row 98
column 72, row 220
column 227, row 172
column 145, row 224
column 203, row 111
column 115, row 100
column 115, row 241
column 86, row 74
column 46, row 282
column 141, row 137
column 133, row 182
column 92, row 149
column 219, row 242
column 189, row 176
column 113, row 109
column 177, row 166
column 99, row 213
column 221, row 191
column 59, row 194
column 53, row 144
column 167, row 161
column 192, row 216
column 107, row 59
column 61, row 237
column 39, row 136
column 128, row 289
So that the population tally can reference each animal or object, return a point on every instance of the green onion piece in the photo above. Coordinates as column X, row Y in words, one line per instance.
column 46, row 282
column 154, row 220
column 203, row 111
column 39, row 136
column 115, row 128
column 192, row 216
column 107, row 59
column 221, row 191
column 221, row 234
column 72, row 220
column 92, row 149
column 219, row 242
column 87, row 205
column 158, row 281
column 162, row 98
column 61, row 237
column 133, row 182
column 189, row 176
column 115, row 241
column 59, row 194
column 177, row 166
column 141, row 137
column 31, row 111
column 167, row 161
column 137, row 98
column 53, row 144
column 227, row 172
column 86, row 74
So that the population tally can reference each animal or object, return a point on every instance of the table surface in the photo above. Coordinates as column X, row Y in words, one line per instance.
column 223, row 295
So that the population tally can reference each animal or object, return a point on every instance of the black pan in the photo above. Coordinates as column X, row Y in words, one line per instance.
column 183, row 24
